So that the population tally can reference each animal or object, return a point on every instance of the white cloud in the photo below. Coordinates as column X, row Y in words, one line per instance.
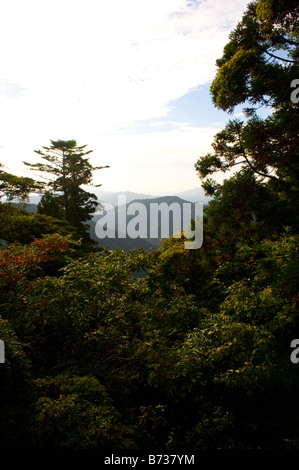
column 88, row 68
column 153, row 162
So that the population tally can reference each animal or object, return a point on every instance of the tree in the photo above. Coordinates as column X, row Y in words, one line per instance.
column 258, row 67
column 17, row 187
column 72, row 169
column 261, row 58
column 241, row 347
column 18, row 225
column 50, row 206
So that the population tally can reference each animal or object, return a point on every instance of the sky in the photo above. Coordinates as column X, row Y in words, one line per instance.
column 128, row 78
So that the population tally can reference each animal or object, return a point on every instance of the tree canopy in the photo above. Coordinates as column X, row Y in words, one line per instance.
column 17, row 187
column 258, row 68
column 71, row 168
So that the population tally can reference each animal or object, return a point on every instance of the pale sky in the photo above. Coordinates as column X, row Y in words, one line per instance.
column 129, row 78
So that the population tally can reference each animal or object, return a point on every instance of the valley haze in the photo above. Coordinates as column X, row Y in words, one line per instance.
column 119, row 240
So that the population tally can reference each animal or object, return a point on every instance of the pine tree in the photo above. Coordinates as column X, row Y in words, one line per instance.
column 69, row 163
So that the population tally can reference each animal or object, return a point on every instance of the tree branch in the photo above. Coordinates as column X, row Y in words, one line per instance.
column 264, row 175
column 276, row 57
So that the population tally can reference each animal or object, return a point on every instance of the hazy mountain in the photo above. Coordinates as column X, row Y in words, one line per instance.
column 114, row 197
column 191, row 195
column 157, row 227
column 195, row 195
column 32, row 208
column 152, row 219
column 106, row 196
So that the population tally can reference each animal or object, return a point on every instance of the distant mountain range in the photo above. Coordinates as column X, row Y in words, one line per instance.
column 149, row 220
column 192, row 195
column 137, row 208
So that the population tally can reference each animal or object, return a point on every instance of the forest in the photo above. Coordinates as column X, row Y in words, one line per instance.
column 169, row 349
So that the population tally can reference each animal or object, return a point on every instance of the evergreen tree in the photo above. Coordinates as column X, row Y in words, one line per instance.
column 259, row 67
column 72, row 169
column 16, row 187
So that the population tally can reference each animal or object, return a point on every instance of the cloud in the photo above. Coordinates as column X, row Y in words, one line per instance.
column 92, row 68
column 11, row 90
column 145, row 161
column 112, row 62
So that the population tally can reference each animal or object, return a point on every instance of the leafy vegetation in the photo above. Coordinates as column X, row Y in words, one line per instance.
column 71, row 168
column 172, row 349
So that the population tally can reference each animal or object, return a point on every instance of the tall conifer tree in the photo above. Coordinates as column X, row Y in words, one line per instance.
column 69, row 163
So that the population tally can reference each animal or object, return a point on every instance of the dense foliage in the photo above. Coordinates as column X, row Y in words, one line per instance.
column 175, row 349
column 65, row 198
